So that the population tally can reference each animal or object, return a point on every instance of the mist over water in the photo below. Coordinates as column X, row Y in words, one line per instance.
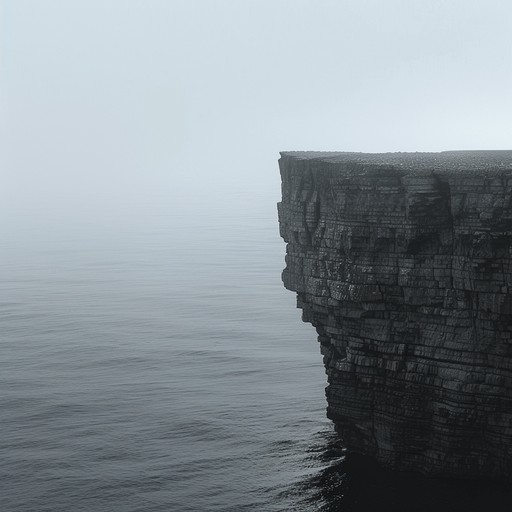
column 160, row 369
column 150, row 358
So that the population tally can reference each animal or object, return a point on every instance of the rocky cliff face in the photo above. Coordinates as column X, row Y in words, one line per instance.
column 403, row 263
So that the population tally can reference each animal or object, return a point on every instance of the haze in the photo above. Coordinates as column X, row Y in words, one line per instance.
column 116, row 110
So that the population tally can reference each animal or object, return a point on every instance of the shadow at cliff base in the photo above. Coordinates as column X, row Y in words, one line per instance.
column 354, row 483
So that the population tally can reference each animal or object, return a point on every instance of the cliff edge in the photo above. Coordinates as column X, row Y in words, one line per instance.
column 403, row 263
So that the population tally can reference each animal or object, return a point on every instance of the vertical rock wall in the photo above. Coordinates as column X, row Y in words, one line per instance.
column 403, row 263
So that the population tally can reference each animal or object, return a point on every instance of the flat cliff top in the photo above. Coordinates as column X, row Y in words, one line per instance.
column 457, row 161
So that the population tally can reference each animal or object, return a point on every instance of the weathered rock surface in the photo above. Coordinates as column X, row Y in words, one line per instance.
column 403, row 263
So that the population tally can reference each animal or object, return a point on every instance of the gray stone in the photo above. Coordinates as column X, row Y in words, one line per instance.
column 403, row 263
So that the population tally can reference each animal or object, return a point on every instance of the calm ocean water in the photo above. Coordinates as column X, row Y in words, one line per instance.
column 166, row 369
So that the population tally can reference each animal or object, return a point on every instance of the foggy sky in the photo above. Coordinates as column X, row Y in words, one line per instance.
column 114, row 107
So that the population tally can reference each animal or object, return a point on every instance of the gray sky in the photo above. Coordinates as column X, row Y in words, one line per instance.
column 111, row 107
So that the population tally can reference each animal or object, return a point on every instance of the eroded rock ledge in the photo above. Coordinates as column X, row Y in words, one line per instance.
column 403, row 263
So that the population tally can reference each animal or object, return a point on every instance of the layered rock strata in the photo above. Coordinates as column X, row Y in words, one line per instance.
column 403, row 263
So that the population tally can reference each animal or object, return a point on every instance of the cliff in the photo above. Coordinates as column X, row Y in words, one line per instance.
column 403, row 263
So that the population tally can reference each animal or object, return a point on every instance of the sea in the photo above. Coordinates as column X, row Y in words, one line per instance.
column 160, row 366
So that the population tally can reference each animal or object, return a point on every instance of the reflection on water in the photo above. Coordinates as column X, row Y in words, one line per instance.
column 353, row 483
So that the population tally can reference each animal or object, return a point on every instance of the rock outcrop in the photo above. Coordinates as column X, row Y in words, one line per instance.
column 403, row 263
